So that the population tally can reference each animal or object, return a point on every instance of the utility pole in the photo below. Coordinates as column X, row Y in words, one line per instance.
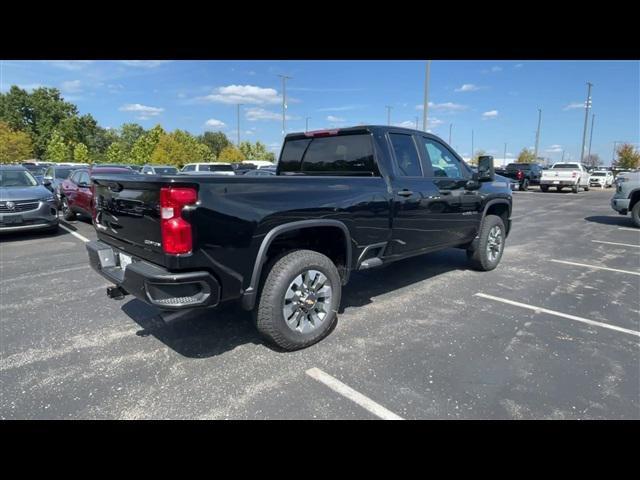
column 239, row 105
column 450, row 126
column 426, row 96
column 471, row 145
column 593, row 118
column 587, row 106
column 562, row 155
column 535, row 153
column 389, row 107
column 284, row 101
column 417, row 122
column 306, row 124
column 505, row 153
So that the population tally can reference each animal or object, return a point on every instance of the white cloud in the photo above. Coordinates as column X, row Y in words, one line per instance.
column 518, row 65
column 446, row 107
column 144, row 63
column 143, row 112
column 245, row 94
column 212, row 122
column 71, row 86
column 343, row 108
column 554, row 149
column 496, row 69
column 574, row 105
column 333, row 118
column 72, row 65
column 468, row 87
column 490, row 114
column 257, row 113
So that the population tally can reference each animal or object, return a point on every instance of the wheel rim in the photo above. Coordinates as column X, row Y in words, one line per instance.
column 494, row 243
column 65, row 206
column 307, row 301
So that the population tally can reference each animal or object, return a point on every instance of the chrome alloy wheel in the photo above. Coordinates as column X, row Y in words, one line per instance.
column 494, row 243
column 307, row 301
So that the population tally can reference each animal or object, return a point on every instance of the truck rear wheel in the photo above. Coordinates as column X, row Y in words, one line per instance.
column 524, row 186
column 544, row 188
column 488, row 253
column 299, row 301
column 635, row 214
column 575, row 188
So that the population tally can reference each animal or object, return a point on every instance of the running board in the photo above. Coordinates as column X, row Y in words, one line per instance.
column 370, row 263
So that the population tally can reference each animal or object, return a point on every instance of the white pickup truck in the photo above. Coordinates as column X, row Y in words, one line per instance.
column 565, row 174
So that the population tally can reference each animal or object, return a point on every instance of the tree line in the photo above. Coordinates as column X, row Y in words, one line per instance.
column 42, row 125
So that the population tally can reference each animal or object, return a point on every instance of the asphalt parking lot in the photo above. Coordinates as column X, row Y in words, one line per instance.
column 552, row 333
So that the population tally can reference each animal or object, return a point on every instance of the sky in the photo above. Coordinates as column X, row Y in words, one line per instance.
column 497, row 100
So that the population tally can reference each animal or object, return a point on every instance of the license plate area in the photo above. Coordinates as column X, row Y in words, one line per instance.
column 556, row 181
column 10, row 219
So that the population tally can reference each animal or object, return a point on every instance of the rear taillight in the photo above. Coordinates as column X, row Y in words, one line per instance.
column 322, row 133
column 574, row 174
column 519, row 175
column 176, row 231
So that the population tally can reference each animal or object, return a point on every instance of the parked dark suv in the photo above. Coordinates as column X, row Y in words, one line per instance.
column 524, row 173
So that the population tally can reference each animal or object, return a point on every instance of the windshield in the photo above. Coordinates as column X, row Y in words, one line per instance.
column 515, row 166
column 63, row 172
column 35, row 169
column 572, row 166
column 217, row 168
column 598, row 174
column 165, row 170
column 17, row 178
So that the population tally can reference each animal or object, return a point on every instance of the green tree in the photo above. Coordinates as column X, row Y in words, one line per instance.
column 145, row 145
column 231, row 154
column 38, row 113
column 130, row 133
column 257, row 151
column 57, row 149
column 15, row 145
column 526, row 156
column 628, row 157
column 179, row 148
column 116, row 153
column 216, row 141
column 80, row 153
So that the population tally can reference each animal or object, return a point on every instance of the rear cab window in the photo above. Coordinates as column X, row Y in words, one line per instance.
column 350, row 154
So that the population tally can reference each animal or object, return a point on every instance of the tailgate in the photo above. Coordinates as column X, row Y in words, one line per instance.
column 558, row 174
column 127, row 210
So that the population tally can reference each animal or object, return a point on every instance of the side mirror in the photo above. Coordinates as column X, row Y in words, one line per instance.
column 473, row 184
column 46, row 182
column 486, row 172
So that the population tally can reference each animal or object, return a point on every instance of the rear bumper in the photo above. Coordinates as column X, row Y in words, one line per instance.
column 563, row 183
column 153, row 284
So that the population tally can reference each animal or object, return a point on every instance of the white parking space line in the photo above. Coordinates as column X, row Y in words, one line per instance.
column 348, row 392
column 614, row 243
column 559, row 314
column 75, row 234
column 595, row 267
column 629, row 229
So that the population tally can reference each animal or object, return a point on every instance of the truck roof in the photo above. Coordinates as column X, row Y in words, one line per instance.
column 357, row 129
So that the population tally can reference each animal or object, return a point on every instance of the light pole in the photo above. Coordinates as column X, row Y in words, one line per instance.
column 306, row 124
column 593, row 119
column 417, row 122
column 239, row 105
column 562, row 155
column 587, row 106
column 450, row 127
column 284, row 101
column 471, row 145
column 535, row 153
column 388, row 107
column 426, row 96
column 505, row 153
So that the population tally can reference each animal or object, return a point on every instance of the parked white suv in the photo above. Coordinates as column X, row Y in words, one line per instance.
column 215, row 168
column 565, row 174
column 601, row 178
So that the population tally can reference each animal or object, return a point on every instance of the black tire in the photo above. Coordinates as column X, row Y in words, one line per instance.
column 559, row 188
column 635, row 214
column 67, row 213
column 524, row 186
column 480, row 257
column 544, row 188
column 586, row 188
column 575, row 188
column 270, row 318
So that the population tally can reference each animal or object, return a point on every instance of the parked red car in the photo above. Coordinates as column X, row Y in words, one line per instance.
column 76, row 192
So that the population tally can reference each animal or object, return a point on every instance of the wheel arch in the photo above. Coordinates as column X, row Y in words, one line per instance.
column 250, row 294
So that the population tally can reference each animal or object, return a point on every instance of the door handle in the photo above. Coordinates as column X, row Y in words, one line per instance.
column 405, row 193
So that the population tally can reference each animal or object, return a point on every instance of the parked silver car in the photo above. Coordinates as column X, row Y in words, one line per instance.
column 25, row 204
column 627, row 196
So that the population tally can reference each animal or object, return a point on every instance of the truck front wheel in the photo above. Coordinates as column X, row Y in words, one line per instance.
column 488, row 253
column 544, row 188
column 299, row 301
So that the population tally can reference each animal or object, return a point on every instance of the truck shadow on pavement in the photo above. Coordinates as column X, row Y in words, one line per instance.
column 33, row 235
column 208, row 333
column 617, row 220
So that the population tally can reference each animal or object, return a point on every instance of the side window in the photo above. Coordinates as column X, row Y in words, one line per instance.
column 84, row 178
column 406, row 155
column 444, row 163
column 291, row 157
column 49, row 172
column 190, row 168
column 75, row 178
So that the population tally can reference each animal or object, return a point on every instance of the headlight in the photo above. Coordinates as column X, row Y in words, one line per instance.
column 49, row 198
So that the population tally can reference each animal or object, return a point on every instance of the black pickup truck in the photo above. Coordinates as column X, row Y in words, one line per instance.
column 524, row 173
column 284, row 245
